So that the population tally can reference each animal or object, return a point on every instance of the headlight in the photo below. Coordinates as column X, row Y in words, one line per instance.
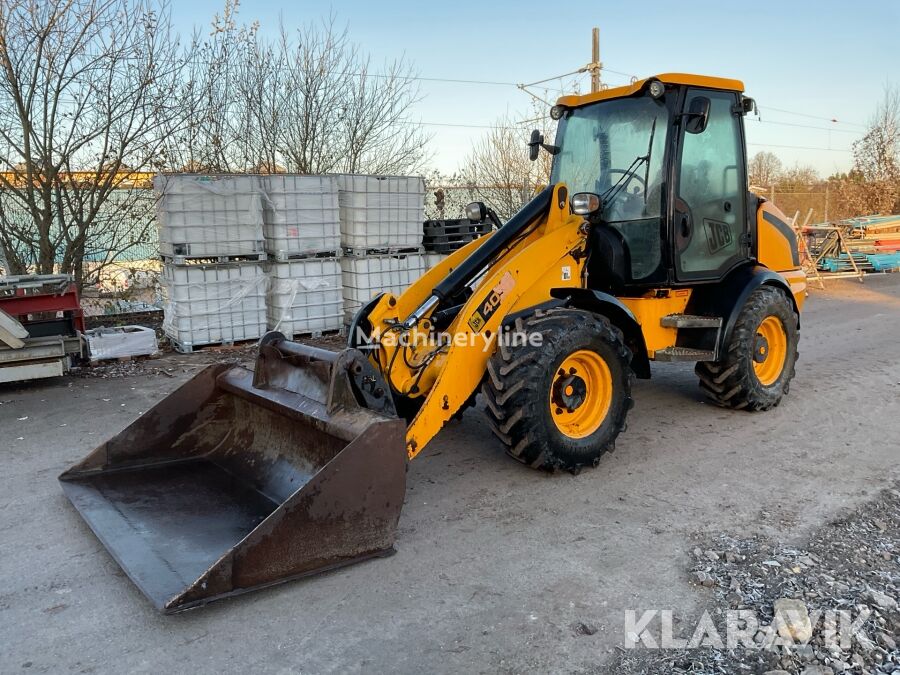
column 476, row 212
column 656, row 89
column 557, row 111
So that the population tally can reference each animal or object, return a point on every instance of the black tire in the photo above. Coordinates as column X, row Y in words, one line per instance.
column 517, row 388
column 732, row 382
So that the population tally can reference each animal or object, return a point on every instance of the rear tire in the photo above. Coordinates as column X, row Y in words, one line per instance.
column 554, row 417
column 758, row 365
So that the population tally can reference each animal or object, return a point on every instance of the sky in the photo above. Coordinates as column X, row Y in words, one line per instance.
column 816, row 69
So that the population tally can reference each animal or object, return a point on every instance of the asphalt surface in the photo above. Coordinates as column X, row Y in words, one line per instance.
column 498, row 568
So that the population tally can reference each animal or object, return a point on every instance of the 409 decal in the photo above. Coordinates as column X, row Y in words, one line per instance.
column 489, row 305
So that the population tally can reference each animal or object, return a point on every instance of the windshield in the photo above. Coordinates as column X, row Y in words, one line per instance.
column 615, row 149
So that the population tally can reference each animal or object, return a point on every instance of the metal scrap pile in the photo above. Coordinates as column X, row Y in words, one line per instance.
column 856, row 246
column 40, row 321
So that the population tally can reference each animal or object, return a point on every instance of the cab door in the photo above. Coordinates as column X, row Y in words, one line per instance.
column 709, row 222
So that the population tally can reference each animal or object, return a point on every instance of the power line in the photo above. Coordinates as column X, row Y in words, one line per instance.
column 618, row 72
column 781, row 110
column 550, row 79
column 580, row 71
column 451, row 80
column 803, row 126
column 800, row 147
column 465, row 126
column 495, row 126
column 814, row 117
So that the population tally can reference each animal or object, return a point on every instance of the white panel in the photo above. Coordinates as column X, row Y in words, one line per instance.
column 381, row 211
column 365, row 277
column 208, row 216
column 212, row 304
column 301, row 215
column 121, row 341
column 305, row 296
column 32, row 371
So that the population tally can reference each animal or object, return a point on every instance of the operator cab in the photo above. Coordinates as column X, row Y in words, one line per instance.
column 666, row 156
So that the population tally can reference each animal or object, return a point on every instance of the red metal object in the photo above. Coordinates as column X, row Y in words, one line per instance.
column 29, row 299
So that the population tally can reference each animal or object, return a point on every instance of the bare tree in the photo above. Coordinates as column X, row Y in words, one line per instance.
column 315, row 96
column 877, row 154
column 797, row 177
column 208, row 131
column 854, row 196
column 498, row 170
column 764, row 168
column 96, row 93
column 261, row 115
column 83, row 89
column 339, row 115
column 306, row 102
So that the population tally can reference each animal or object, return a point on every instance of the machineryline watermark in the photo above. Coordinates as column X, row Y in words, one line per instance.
column 417, row 339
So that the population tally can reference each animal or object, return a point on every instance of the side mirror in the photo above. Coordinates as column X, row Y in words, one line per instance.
column 534, row 145
column 748, row 105
column 697, row 115
column 585, row 203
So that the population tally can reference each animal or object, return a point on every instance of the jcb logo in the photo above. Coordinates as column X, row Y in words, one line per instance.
column 491, row 302
column 718, row 235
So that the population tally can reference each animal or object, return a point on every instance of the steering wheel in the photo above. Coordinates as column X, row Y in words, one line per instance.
column 633, row 176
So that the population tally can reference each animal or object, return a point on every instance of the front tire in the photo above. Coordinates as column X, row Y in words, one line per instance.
column 561, row 401
column 758, row 366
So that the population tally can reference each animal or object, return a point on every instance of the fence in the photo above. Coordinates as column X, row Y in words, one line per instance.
column 127, row 249
column 129, row 280
column 832, row 201
column 120, row 250
column 802, row 198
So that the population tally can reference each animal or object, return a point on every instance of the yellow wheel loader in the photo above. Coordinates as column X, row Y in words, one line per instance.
column 646, row 246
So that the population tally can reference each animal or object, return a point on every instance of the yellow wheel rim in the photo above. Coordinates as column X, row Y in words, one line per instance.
column 769, row 350
column 581, row 394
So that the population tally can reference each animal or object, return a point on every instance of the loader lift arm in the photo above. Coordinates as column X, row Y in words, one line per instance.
column 514, row 265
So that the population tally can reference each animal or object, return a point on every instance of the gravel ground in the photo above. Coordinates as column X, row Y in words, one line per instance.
column 498, row 568
column 850, row 565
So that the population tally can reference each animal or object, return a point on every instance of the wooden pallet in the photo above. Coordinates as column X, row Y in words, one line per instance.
column 225, row 345
column 122, row 359
column 184, row 260
column 317, row 334
column 391, row 250
column 307, row 255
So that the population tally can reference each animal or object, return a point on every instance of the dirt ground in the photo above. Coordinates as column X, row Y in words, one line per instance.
column 498, row 568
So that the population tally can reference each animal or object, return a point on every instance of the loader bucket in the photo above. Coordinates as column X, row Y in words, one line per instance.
column 241, row 479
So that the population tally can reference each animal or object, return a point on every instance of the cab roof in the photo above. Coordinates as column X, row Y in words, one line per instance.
column 706, row 81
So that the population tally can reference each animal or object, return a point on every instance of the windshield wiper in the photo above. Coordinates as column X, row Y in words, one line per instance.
column 647, row 168
column 614, row 190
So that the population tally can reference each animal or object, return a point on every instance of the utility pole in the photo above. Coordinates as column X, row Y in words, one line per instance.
column 594, row 66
